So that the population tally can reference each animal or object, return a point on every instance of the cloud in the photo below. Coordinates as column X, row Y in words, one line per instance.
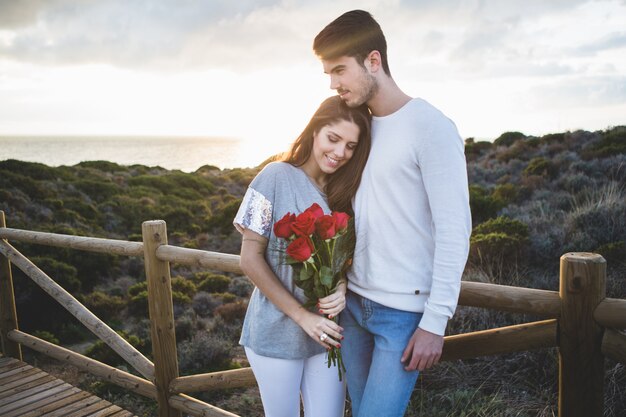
column 131, row 34
column 582, row 92
column 615, row 40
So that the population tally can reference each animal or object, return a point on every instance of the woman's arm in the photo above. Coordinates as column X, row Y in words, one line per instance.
column 255, row 266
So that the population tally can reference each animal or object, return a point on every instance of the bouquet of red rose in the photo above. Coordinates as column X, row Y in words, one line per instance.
column 320, row 248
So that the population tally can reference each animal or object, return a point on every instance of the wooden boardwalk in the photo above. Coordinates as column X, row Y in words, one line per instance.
column 26, row 391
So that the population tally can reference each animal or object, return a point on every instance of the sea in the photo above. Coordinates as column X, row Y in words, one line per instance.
column 183, row 153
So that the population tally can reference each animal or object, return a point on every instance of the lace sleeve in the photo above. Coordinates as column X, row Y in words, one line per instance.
column 255, row 213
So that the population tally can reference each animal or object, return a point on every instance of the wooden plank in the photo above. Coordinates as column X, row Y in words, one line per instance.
column 26, row 383
column 4, row 360
column 70, row 408
column 29, row 393
column 4, row 382
column 91, row 409
column 15, row 370
column 107, row 412
column 29, row 396
column 123, row 413
column 12, row 382
column 47, row 404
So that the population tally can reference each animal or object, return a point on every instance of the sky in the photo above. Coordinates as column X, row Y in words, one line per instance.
column 245, row 69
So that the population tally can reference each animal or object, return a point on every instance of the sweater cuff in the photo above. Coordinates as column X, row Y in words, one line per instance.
column 433, row 322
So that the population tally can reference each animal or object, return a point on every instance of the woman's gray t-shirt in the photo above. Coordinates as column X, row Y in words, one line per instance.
column 278, row 189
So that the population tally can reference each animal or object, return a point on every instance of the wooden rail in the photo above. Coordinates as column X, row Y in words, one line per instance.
column 580, row 321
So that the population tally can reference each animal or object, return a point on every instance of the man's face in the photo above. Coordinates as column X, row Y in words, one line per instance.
column 354, row 83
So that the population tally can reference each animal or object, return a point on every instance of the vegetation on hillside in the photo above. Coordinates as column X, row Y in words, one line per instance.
column 532, row 199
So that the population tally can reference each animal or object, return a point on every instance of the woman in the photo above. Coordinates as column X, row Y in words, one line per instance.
column 285, row 343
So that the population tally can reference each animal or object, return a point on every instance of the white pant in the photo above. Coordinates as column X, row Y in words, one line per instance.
column 282, row 381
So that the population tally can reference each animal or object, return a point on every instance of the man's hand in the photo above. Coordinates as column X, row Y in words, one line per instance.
column 422, row 351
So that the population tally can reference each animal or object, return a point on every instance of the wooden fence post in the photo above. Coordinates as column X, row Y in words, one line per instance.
column 581, row 363
column 8, row 314
column 161, row 311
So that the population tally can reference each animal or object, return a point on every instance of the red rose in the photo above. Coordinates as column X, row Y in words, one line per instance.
column 282, row 228
column 301, row 248
column 341, row 220
column 325, row 227
column 304, row 224
column 316, row 210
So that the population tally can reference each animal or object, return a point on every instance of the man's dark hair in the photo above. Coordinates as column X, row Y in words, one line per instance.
column 354, row 34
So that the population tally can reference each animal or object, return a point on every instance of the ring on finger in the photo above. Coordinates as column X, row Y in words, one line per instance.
column 323, row 337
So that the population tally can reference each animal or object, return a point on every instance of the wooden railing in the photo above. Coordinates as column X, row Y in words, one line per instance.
column 579, row 320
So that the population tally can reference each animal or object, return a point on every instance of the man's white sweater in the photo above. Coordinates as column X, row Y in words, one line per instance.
column 412, row 215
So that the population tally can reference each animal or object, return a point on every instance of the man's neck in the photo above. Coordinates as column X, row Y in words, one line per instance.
column 388, row 99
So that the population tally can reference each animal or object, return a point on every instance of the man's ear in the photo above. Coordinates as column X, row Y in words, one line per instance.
column 373, row 61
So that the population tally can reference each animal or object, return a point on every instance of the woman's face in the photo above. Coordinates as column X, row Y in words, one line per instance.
column 334, row 145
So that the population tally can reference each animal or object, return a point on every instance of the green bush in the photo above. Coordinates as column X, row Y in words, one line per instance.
column 138, row 304
column 475, row 149
column 222, row 219
column 612, row 142
column 104, row 166
column 506, row 193
column 46, row 335
column 542, row 167
column 184, row 286
column 482, row 204
column 32, row 170
column 496, row 246
column 104, row 306
column 509, row 138
column 214, row 283
column 63, row 274
column 98, row 190
column 100, row 351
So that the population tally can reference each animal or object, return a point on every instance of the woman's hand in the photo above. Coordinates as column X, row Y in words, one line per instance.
column 324, row 331
column 334, row 304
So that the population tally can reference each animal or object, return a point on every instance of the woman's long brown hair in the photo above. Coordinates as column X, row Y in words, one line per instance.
column 341, row 186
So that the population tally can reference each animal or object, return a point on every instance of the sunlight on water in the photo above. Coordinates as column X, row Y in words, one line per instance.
column 186, row 153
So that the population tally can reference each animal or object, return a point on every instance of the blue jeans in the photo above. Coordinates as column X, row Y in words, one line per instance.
column 374, row 338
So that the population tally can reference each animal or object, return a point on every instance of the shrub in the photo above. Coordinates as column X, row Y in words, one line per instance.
column 184, row 286
column 47, row 336
column 222, row 219
column 613, row 252
column 138, row 288
column 241, row 286
column 103, row 305
column 506, row 193
column 475, row 149
column 63, row 274
column 232, row 312
column 612, row 142
column 483, row 205
column 508, row 138
column 204, row 303
column 138, row 304
column 497, row 244
column 542, row 167
column 204, row 353
column 215, row 283
column 100, row 351
column 100, row 190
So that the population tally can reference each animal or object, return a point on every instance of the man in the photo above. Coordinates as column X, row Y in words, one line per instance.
column 412, row 222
